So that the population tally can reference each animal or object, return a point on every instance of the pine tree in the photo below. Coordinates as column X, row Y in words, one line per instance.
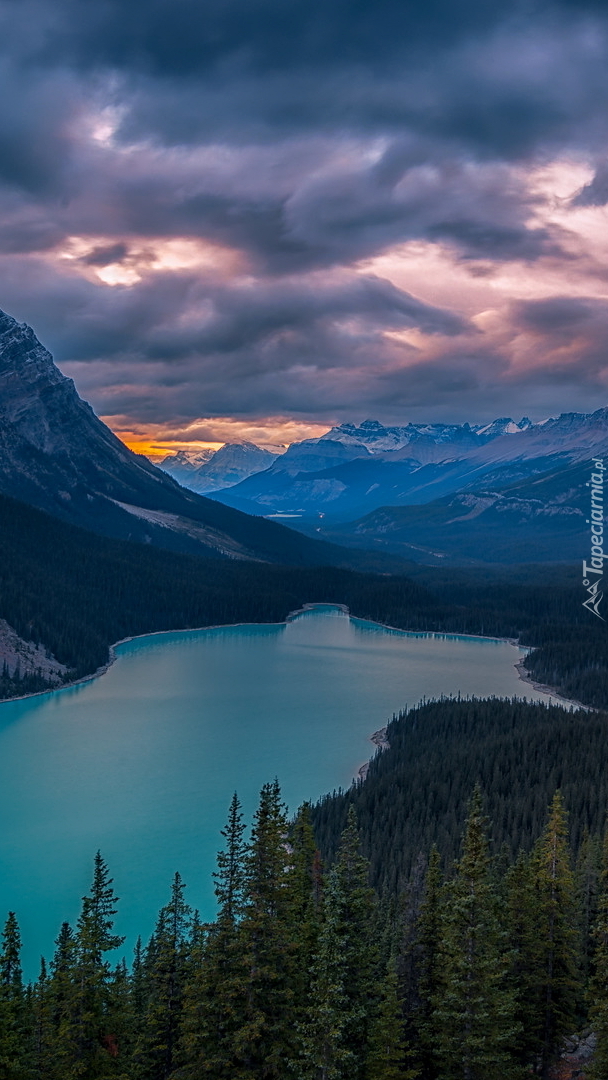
column 587, row 874
column 42, row 1048
column 344, row 977
column 13, row 1020
column 81, row 986
column 269, row 941
column 230, row 875
column 325, row 1053
column 473, row 1011
column 156, row 1054
column 95, row 1041
column 62, row 1003
column 122, row 1021
column 430, row 966
column 387, row 1053
column 598, row 990
column 553, row 1003
column 138, row 998
column 214, row 1024
column 304, row 914
column 410, row 954
column 522, row 927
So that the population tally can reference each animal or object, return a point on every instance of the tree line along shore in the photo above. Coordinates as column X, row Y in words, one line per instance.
column 76, row 593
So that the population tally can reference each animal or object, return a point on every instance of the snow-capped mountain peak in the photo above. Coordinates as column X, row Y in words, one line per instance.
column 503, row 426
column 222, row 468
column 378, row 438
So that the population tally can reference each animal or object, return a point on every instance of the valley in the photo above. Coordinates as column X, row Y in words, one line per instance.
column 303, row 482
column 458, row 567
column 500, row 493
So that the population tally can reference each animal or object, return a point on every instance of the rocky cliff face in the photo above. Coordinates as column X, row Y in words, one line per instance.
column 19, row 657
column 57, row 455
column 54, row 450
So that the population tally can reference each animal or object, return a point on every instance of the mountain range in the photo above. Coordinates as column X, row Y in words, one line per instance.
column 56, row 455
column 342, row 477
column 499, row 492
column 208, row 470
column 504, row 491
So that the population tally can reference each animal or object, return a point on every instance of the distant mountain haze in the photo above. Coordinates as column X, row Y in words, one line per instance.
column 184, row 464
column 351, row 471
column 542, row 518
column 56, row 454
column 209, row 470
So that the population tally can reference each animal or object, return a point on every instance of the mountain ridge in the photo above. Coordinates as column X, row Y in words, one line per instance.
column 540, row 518
column 348, row 484
column 221, row 468
column 58, row 456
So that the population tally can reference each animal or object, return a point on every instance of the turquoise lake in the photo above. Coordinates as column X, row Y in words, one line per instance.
column 142, row 762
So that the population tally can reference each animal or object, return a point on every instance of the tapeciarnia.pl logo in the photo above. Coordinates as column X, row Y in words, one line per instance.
column 593, row 571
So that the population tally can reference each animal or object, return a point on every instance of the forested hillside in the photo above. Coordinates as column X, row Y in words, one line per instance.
column 76, row 593
column 478, row 972
column 416, row 791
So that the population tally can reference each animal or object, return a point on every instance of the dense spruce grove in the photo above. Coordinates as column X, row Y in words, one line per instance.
column 477, row 972
column 76, row 593
column 416, row 791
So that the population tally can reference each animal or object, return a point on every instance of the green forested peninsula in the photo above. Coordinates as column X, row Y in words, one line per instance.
column 479, row 971
column 77, row 592
column 416, row 791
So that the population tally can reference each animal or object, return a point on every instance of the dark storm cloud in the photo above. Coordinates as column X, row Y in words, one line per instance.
column 298, row 322
column 306, row 136
column 347, row 215
column 200, row 346
column 354, row 213
column 338, row 209
column 558, row 314
column 186, row 36
column 494, row 77
column 498, row 90
column 106, row 255
column 573, row 332
column 287, row 320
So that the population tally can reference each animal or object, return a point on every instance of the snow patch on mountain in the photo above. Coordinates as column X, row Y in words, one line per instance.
column 221, row 468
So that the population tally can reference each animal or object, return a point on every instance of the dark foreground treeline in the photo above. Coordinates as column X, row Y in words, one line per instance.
column 479, row 973
column 76, row 593
column 416, row 792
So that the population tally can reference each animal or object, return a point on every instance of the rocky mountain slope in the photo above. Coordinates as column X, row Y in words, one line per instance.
column 58, row 456
column 542, row 519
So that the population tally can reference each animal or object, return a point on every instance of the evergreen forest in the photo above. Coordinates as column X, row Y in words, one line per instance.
column 415, row 793
column 76, row 593
column 479, row 968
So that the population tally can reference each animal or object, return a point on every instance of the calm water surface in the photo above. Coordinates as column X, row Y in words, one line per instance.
column 143, row 761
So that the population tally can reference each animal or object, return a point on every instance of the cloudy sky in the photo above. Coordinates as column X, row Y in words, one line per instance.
column 255, row 218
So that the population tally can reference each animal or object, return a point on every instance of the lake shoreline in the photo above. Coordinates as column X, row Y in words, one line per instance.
column 112, row 654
